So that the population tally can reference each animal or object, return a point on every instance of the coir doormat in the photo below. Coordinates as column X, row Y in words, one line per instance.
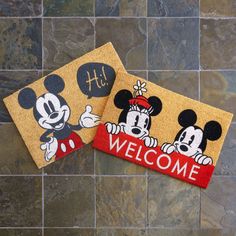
column 162, row 130
column 58, row 114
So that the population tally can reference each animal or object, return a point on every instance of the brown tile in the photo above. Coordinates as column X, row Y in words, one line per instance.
column 215, row 8
column 121, row 201
column 121, row 232
column 218, row 46
column 65, row 39
column 110, row 165
column 183, row 82
column 11, row 81
column 69, row 201
column 120, row 8
column 79, row 162
column 21, row 8
column 218, row 204
column 68, row 232
column 20, row 201
column 226, row 164
column 218, row 88
column 20, row 232
column 15, row 158
column 168, row 197
column 128, row 37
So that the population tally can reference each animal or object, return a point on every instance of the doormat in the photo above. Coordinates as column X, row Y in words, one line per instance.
column 162, row 130
column 59, row 113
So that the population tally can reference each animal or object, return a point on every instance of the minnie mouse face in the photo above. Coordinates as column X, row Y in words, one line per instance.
column 191, row 139
column 50, row 110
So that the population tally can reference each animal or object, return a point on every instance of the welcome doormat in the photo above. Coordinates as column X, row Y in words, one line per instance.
column 58, row 114
column 162, row 130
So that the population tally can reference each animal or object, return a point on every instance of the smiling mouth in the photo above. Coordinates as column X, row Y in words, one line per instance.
column 59, row 124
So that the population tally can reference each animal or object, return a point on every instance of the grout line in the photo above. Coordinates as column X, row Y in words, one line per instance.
column 42, row 202
column 199, row 53
column 95, row 189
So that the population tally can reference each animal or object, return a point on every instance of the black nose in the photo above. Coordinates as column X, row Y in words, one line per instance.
column 53, row 115
column 136, row 131
column 183, row 148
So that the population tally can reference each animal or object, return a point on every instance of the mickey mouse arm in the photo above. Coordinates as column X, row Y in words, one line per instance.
column 44, row 137
column 75, row 127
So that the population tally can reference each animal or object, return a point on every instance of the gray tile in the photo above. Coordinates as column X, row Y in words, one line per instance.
column 69, row 201
column 20, row 43
column 110, row 165
column 128, row 36
column 15, row 158
column 11, row 81
column 20, row 232
column 66, row 39
column 218, row 46
column 79, row 162
column 173, row 8
column 68, row 7
column 121, row 201
column 120, row 8
column 68, row 232
column 218, row 207
column 173, row 44
column 140, row 73
column 183, row 82
column 172, row 203
column 121, row 232
column 20, row 201
column 218, row 88
column 20, row 8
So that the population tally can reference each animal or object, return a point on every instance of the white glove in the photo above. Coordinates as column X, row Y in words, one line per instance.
column 113, row 128
column 168, row 148
column 50, row 148
column 87, row 119
column 150, row 141
column 203, row 160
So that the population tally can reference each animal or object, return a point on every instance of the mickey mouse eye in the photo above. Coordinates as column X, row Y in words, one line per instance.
column 46, row 108
column 51, row 106
column 146, row 123
column 182, row 136
column 136, row 120
column 191, row 140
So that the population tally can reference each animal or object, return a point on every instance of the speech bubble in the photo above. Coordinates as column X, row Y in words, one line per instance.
column 95, row 79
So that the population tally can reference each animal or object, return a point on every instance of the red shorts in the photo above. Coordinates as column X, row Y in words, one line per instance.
column 68, row 145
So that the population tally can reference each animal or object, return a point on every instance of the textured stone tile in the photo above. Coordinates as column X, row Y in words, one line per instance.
column 172, row 8
column 79, row 162
column 68, row 7
column 215, row 8
column 20, row 8
column 218, row 89
column 121, row 201
column 218, row 207
column 226, row 164
column 20, row 43
column 15, row 158
column 173, row 44
column 69, row 201
column 110, row 165
column 172, row 203
column 68, row 232
column 140, row 73
column 120, row 8
column 128, row 37
column 120, row 232
column 20, row 201
column 218, row 46
column 66, row 39
column 190, row 232
column 183, row 82
column 10, row 81
column 20, row 232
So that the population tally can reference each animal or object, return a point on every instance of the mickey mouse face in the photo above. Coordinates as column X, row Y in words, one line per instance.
column 50, row 109
column 192, row 139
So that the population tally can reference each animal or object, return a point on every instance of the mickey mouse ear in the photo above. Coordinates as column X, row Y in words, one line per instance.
column 187, row 118
column 212, row 130
column 54, row 83
column 27, row 98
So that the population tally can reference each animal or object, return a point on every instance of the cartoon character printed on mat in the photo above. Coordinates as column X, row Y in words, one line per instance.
column 135, row 117
column 52, row 113
column 191, row 140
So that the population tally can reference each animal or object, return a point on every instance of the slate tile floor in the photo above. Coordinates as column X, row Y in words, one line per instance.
column 186, row 46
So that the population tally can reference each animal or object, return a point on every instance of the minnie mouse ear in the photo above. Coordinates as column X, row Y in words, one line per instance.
column 156, row 104
column 27, row 98
column 54, row 83
column 212, row 130
column 187, row 118
column 122, row 98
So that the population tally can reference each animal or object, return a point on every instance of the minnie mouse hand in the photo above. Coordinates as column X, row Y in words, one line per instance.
column 113, row 128
column 50, row 148
column 203, row 160
column 87, row 119
column 150, row 141
column 168, row 148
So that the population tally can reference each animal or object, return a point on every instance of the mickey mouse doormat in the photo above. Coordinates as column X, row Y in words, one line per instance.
column 58, row 114
column 162, row 130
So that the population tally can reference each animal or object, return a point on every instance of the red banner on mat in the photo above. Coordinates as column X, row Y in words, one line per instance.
column 133, row 150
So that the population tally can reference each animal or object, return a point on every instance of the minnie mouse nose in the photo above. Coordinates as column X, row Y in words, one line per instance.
column 183, row 148
column 136, row 131
column 53, row 115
